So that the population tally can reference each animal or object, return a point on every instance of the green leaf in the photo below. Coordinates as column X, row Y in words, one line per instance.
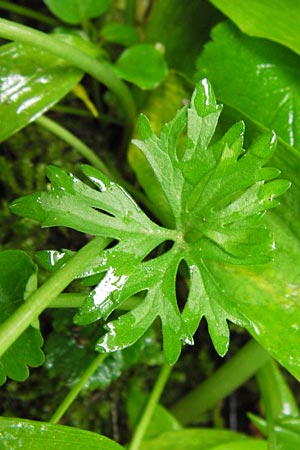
column 218, row 195
column 257, row 78
column 15, row 279
column 268, row 296
column 277, row 397
column 279, row 406
column 30, row 84
column 120, row 33
column 25, row 434
column 182, row 28
column 275, row 20
column 160, row 107
column 287, row 432
column 203, row 439
column 143, row 65
column 75, row 11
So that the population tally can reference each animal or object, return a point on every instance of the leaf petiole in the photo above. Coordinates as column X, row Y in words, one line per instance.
column 150, row 407
column 69, row 399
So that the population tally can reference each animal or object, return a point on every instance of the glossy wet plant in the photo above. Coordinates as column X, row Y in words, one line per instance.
column 217, row 195
column 207, row 235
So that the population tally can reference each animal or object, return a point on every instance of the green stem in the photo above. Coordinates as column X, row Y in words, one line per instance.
column 67, row 301
column 229, row 377
column 27, row 12
column 101, row 71
column 20, row 320
column 69, row 399
column 72, row 140
column 130, row 12
column 150, row 407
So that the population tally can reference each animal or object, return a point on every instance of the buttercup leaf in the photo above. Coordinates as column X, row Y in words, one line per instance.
column 218, row 194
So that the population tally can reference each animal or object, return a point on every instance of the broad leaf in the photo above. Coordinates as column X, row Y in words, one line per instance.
column 257, row 78
column 143, row 65
column 76, row 11
column 16, row 271
column 28, row 434
column 218, row 195
column 269, row 297
column 287, row 431
column 182, row 28
column 275, row 20
column 282, row 426
column 203, row 439
column 31, row 82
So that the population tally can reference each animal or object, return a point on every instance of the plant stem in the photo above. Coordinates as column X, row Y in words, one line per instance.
column 71, row 139
column 101, row 71
column 69, row 399
column 150, row 407
column 27, row 12
column 229, row 377
column 130, row 12
column 67, row 301
column 14, row 326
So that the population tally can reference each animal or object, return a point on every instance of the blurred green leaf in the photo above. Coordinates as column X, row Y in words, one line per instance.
column 286, row 432
column 16, row 271
column 143, row 65
column 120, row 33
column 182, row 28
column 28, row 434
column 282, row 425
column 31, row 82
column 275, row 20
column 203, row 439
column 76, row 11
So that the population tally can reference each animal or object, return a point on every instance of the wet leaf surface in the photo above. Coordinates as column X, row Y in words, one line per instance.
column 25, row 434
column 258, row 78
column 274, row 20
column 31, row 82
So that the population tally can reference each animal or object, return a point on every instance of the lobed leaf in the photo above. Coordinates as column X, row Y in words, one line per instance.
column 218, row 194
column 258, row 81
